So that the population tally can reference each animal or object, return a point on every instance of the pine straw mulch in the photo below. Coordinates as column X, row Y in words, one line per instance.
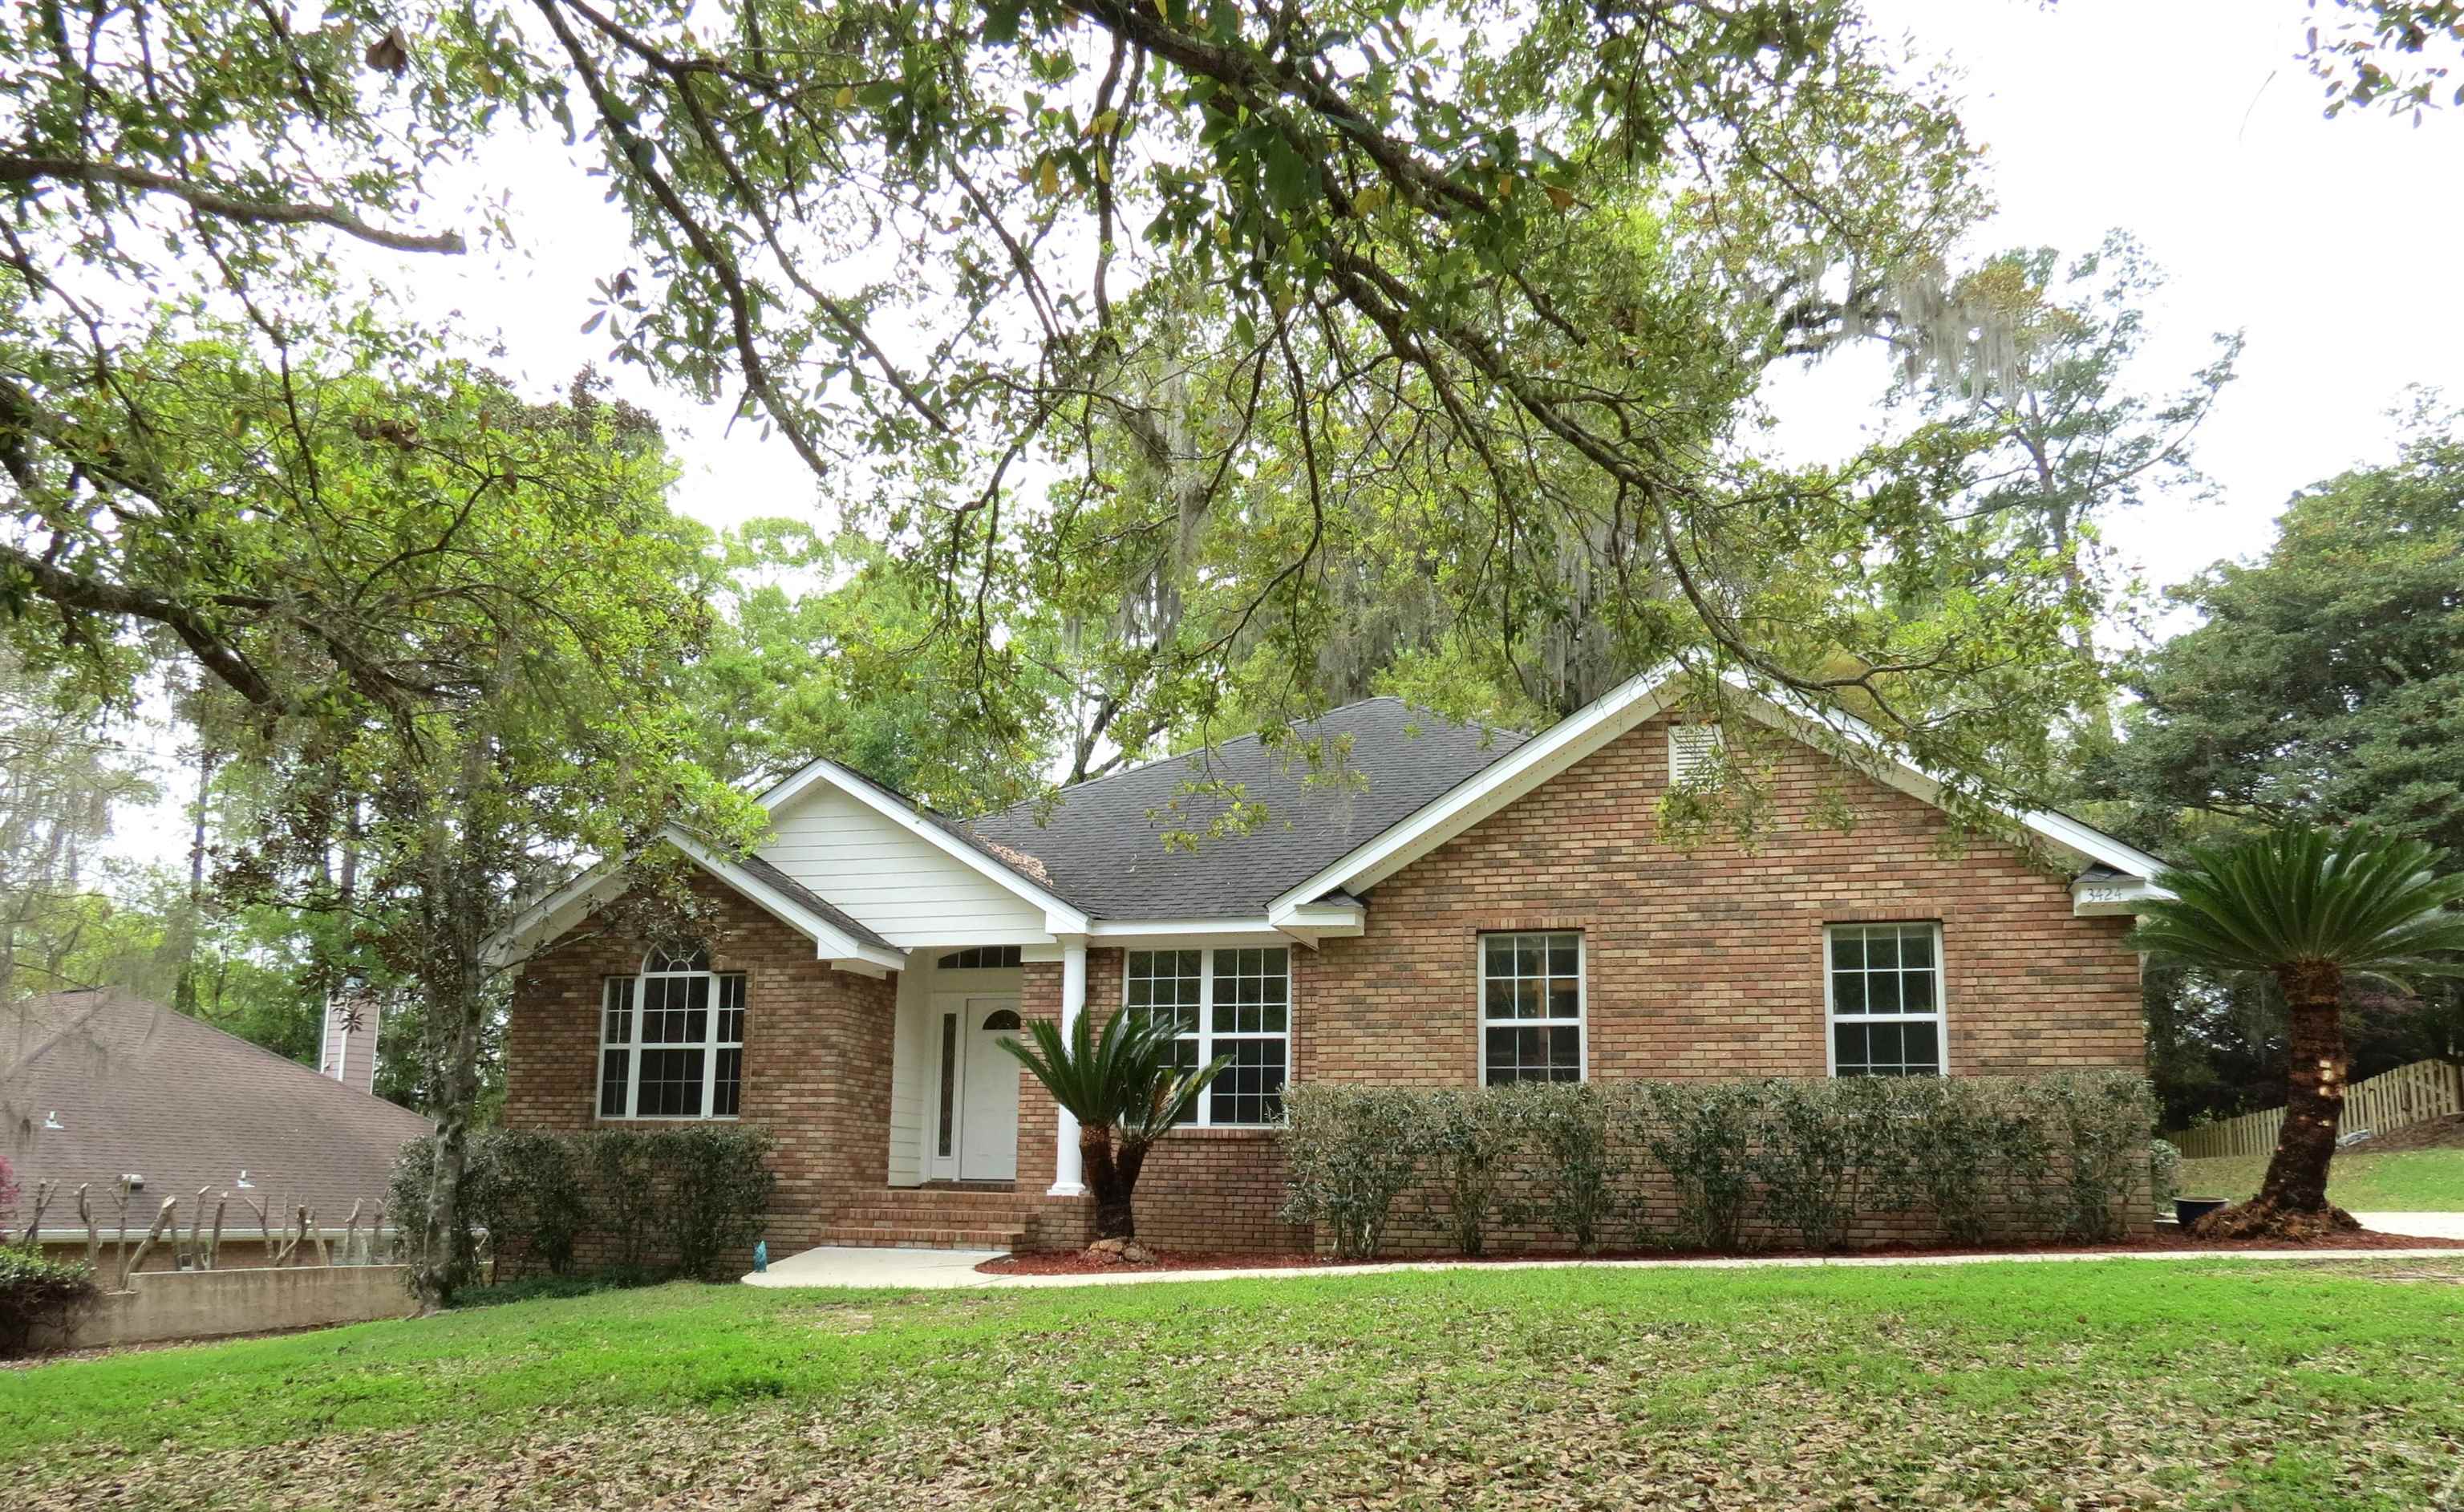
column 2169, row 1238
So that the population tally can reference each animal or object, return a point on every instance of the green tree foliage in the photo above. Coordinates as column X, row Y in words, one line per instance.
column 2323, row 685
column 2326, row 680
column 2307, row 910
column 2397, row 54
column 828, row 648
column 62, row 766
column 2063, row 439
column 1205, row 325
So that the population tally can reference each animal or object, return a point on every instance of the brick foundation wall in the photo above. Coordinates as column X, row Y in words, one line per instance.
column 817, row 1049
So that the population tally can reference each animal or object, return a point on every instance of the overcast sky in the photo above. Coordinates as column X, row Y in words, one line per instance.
column 2189, row 122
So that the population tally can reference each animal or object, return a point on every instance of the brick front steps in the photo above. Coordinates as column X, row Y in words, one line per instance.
column 969, row 1218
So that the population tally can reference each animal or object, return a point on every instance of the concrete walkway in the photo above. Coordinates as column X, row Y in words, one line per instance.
column 949, row 1270
column 2416, row 1225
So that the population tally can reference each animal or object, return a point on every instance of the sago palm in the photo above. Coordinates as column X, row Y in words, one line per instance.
column 2308, row 910
column 1125, row 1091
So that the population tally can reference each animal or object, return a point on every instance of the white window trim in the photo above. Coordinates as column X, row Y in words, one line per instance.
column 1940, row 1018
column 1202, row 1113
column 1582, row 1019
column 710, row 1045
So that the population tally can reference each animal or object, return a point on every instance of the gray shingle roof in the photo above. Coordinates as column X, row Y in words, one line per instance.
column 139, row 1089
column 810, row 899
column 1102, row 846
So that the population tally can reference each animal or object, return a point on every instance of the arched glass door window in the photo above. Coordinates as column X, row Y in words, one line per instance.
column 672, row 1039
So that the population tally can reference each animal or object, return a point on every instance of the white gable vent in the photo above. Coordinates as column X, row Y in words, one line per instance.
column 1692, row 748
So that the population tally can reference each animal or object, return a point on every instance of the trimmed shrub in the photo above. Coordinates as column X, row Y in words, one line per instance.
column 2097, row 1124
column 1472, row 1141
column 667, row 1201
column 480, row 1209
column 1349, row 1151
column 1566, row 1130
column 1821, row 1147
column 543, row 1200
column 625, row 1197
column 715, row 1189
column 1702, row 1134
column 37, row 1291
column 1952, row 1152
column 1979, row 1158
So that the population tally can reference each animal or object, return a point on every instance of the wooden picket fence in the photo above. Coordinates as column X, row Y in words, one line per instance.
column 2386, row 1102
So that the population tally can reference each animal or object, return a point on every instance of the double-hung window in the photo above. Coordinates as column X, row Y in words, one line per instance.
column 1884, row 989
column 672, row 1039
column 1532, row 1007
column 1226, row 1001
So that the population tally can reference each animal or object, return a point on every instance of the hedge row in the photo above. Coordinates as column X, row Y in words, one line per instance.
column 38, row 1291
column 685, row 1199
column 1981, row 1159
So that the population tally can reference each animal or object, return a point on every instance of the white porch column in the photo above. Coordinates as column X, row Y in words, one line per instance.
column 1067, row 1175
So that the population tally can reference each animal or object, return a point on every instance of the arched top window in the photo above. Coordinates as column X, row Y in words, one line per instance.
column 672, row 1038
column 1002, row 1019
column 671, row 959
column 979, row 957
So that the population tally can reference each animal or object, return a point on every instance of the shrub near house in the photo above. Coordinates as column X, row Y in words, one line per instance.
column 686, row 1201
column 1724, row 1165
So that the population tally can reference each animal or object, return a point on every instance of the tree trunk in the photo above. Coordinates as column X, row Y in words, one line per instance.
column 2291, row 1201
column 1112, row 1177
column 442, row 1265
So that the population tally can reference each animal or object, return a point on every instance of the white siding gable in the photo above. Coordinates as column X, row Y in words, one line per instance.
column 900, row 885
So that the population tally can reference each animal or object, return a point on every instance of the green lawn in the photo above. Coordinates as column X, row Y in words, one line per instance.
column 2118, row 1383
column 2360, row 1179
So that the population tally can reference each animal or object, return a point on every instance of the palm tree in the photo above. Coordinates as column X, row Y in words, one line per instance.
column 2308, row 909
column 1125, row 1090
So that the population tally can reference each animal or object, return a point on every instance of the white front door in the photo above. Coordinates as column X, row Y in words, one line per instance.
column 989, row 1148
column 973, row 1133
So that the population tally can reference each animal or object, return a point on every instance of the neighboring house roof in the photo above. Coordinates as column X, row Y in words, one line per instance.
column 1102, row 844
column 139, row 1089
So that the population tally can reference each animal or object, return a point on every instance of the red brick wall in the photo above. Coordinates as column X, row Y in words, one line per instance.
column 817, row 1048
column 1705, row 965
column 1710, row 965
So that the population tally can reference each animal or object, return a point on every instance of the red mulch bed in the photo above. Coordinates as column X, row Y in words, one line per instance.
column 2166, row 1239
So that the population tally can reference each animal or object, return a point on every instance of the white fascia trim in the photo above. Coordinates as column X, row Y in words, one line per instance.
column 1526, row 767
column 560, row 909
column 1325, row 917
column 1781, row 709
column 830, row 943
column 1059, row 916
column 552, row 915
column 1189, row 934
column 1621, row 708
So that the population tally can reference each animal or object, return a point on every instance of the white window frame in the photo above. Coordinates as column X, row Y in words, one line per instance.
column 655, row 967
column 1582, row 1021
column 1202, row 1111
column 1940, row 1018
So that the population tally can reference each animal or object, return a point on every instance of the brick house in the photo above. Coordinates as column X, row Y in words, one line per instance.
column 1468, row 905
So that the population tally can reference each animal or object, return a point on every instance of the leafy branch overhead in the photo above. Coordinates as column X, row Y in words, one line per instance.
column 1211, row 324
